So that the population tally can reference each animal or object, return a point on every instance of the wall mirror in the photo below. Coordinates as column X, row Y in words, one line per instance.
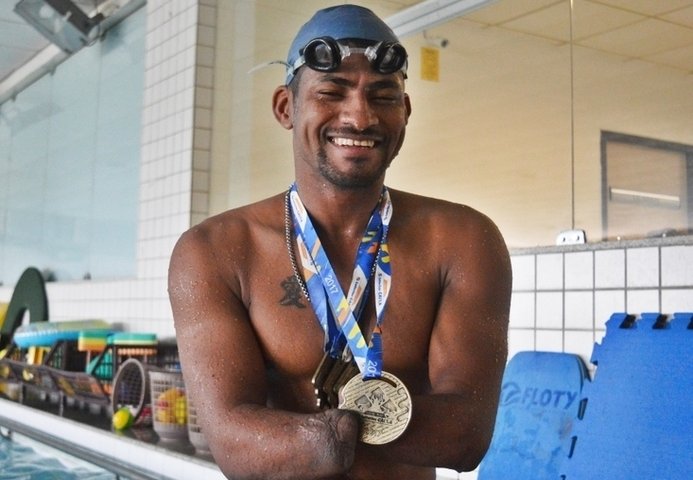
column 522, row 122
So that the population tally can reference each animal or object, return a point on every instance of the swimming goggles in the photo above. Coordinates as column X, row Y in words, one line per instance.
column 325, row 54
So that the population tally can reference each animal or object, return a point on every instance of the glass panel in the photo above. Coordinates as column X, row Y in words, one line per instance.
column 71, row 146
column 495, row 133
column 632, row 71
column 512, row 126
column 646, row 185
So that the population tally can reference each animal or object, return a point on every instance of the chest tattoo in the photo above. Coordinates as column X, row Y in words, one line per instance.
column 293, row 295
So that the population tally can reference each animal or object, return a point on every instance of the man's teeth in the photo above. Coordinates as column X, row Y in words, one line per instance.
column 349, row 142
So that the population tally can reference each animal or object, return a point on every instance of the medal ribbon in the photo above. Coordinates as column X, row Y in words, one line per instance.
column 340, row 321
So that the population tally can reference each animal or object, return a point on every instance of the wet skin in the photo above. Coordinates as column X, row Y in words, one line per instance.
column 250, row 342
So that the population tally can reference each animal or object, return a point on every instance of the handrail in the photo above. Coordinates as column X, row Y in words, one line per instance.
column 119, row 454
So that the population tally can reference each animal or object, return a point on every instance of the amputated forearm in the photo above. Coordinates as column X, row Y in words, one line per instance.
column 446, row 430
column 255, row 442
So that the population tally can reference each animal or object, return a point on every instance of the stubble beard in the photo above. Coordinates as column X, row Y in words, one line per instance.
column 359, row 180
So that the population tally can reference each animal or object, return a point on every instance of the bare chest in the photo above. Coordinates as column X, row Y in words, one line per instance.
column 290, row 334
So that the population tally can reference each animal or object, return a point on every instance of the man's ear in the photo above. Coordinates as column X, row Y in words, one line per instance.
column 283, row 106
column 407, row 106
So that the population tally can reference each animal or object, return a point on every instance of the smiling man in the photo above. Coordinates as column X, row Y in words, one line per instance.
column 341, row 329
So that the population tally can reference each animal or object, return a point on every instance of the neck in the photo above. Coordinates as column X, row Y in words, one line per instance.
column 338, row 211
column 341, row 230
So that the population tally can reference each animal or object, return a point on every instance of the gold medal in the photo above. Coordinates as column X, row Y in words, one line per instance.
column 384, row 405
column 346, row 375
column 319, row 377
column 330, row 376
column 331, row 381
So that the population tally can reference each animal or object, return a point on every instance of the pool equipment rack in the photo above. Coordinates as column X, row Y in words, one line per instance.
column 66, row 375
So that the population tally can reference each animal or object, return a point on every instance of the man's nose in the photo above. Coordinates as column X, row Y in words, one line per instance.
column 358, row 113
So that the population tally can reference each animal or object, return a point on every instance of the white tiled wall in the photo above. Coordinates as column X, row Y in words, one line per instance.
column 549, row 270
column 174, row 169
column 610, row 268
column 561, row 300
column 579, row 270
column 642, row 267
column 677, row 264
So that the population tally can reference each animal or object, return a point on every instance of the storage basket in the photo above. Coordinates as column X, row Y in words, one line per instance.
column 195, row 432
column 169, row 405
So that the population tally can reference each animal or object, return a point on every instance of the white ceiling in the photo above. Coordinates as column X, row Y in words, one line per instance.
column 656, row 31
column 19, row 41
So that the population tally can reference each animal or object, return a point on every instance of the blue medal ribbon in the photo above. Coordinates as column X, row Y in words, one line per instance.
column 340, row 320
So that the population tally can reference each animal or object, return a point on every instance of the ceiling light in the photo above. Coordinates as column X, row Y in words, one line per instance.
column 60, row 21
column 429, row 13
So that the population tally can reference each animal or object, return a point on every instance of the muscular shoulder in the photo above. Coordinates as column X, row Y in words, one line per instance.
column 233, row 226
column 454, row 240
column 441, row 220
column 224, row 245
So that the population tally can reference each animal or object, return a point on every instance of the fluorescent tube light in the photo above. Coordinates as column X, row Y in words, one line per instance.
column 60, row 21
column 429, row 13
column 656, row 199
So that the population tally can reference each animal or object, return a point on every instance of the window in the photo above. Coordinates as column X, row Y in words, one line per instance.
column 646, row 187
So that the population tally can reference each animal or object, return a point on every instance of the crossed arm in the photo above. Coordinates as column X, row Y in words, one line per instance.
column 225, row 374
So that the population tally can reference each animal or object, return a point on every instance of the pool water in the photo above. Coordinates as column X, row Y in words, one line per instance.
column 22, row 458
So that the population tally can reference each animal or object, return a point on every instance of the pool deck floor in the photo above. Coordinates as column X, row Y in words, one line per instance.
column 85, row 432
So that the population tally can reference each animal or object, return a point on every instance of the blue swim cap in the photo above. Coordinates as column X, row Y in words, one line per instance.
column 340, row 22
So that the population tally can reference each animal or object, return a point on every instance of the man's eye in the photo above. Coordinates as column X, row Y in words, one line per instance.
column 330, row 94
column 386, row 98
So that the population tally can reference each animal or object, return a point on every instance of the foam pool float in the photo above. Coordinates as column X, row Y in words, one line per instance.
column 93, row 340
column 132, row 338
column 45, row 334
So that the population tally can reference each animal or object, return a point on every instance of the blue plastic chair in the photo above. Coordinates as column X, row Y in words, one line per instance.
column 540, row 402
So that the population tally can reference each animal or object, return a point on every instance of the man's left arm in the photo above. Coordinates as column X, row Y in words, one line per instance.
column 452, row 426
